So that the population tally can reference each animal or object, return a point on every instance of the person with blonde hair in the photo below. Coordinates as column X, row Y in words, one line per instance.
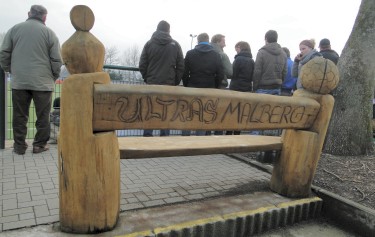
column 307, row 52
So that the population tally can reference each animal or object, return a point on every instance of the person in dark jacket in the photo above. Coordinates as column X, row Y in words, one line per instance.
column 327, row 52
column 243, row 67
column 270, row 66
column 161, row 62
column 203, row 68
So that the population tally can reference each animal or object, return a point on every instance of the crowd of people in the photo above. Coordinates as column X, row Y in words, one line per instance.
column 31, row 53
column 208, row 66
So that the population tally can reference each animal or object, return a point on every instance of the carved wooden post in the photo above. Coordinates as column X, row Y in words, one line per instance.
column 293, row 173
column 89, row 167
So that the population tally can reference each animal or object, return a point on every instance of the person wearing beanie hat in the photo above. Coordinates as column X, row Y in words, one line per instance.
column 161, row 62
column 327, row 52
column 307, row 52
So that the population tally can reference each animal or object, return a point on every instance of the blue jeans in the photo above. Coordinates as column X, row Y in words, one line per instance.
column 269, row 91
column 197, row 133
column 148, row 132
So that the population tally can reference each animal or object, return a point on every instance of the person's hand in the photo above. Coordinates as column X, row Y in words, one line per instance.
column 298, row 57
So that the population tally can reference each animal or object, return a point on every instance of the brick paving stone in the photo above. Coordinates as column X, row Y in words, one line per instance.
column 9, row 204
column 47, row 219
column 53, row 203
column 18, row 224
column 41, row 210
column 31, row 181
column 27, row 216
column 153, row 203
column 17, row 211
column 36, row 191
column 174, row 199
column 24, row 197
column 32, row 203
column 7, row 219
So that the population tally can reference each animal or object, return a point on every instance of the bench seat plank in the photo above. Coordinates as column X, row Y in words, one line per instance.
column 148, row 147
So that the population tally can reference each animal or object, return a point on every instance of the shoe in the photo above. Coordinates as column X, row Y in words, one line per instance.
column 18, row 152
column 40, row 149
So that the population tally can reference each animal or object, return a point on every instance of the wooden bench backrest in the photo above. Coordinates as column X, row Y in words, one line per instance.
column 119, row 107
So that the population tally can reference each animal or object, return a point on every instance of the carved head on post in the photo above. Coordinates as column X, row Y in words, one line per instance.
column 83, row 52
column 320, row 75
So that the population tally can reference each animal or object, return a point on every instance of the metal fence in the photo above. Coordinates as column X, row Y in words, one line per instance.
column 118, row 75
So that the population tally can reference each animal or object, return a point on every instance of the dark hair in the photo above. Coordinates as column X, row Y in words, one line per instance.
column 271, row 36
column 325, row 44
column 244, row 46
column 38, row 11
column 217, row 38
column 163, row 26
column 287, row 52
column 203, row 37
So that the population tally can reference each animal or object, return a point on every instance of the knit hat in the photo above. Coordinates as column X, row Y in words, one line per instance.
column 324, row 43
column 308, row 43
column 163, row 26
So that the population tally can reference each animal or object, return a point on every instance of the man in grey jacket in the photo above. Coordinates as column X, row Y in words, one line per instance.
column 218, row 42
column 161, row 62
column 270, row 66
column 31, row 53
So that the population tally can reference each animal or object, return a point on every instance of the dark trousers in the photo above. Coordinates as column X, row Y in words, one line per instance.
column 21, row 104
column 149, row 132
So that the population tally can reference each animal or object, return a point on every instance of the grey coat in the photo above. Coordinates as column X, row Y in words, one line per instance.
column 31, row 53
column 227, row 65
column 270, row 67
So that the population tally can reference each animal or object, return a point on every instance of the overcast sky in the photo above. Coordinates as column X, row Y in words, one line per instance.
column 126, row 23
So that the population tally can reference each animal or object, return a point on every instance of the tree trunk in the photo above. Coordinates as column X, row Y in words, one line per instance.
column 350, row 130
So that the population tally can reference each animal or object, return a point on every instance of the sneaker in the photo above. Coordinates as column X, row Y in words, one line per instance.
column 19, row 152
column 40, row 149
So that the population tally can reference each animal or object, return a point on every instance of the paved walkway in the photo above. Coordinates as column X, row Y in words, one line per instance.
column 29, row 183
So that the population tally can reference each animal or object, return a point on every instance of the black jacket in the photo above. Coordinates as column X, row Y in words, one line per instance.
column 243, row 68
column 162, row 60
column 331, row 55
column 203, row 67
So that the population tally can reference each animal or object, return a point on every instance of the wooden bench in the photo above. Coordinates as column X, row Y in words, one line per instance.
column 89, row 151
column 92, row 109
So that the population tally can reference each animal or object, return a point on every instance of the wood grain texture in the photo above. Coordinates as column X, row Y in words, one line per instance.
column 147, row 147
column 83, row 53
column 293, row 173
column 174, row 107
column 82, row 18
column 89, row 167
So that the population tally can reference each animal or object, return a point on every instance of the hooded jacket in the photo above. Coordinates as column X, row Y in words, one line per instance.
column 31, row 53
column 243, row 68
column 203, row 67
column 270, row 67
column 162, row 60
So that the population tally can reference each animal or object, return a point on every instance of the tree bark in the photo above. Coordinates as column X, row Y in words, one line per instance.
column 350, row 130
